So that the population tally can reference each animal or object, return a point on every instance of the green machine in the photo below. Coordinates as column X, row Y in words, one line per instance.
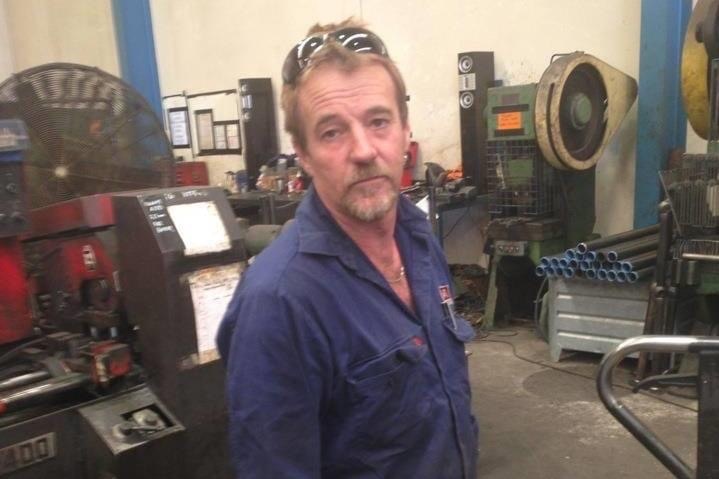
column 544, row 140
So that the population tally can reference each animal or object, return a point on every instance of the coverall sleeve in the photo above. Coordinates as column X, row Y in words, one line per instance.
column 277, row 374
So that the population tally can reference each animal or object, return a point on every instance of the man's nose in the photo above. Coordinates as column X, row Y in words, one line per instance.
column 363, row 149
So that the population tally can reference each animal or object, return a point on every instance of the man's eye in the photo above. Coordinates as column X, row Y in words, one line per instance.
column 330, row 134
column 379, row 122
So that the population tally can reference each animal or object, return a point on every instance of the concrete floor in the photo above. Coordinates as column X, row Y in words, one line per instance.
column 543, row 423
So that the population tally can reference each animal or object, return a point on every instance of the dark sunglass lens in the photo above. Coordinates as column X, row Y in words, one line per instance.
column 361, row 45
column 290, row 68
column 307, row 48
column 355, row 39
column 361, row 41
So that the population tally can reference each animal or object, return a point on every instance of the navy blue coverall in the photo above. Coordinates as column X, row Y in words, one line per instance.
column 330, row 375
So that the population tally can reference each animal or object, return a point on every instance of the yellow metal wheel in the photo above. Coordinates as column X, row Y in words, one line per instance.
column 695, row 73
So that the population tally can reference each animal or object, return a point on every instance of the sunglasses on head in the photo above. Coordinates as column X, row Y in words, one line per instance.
column 357, row 40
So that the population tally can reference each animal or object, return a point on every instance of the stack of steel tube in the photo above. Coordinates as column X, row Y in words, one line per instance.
column 623, row 258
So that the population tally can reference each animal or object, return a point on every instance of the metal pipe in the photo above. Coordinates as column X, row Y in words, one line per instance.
column 23, row 380
column 570, row 253
column 626, row 244
column 42, row 391
column 590, row 255
column 666, row 221
column 554, row 261
column 611, row 275
column 645, row 272
column 617, row 238
column 635, row 276
column 591, row 273
column 573, row 263
column 541, row 271
column 661, row 344
column 621, row 276
column 568, row 272
column 602, row 274
column 701, row 257
column 563, row 263
column 584, row 265
column 632, row 250
column 544, row 261
column 639, row 261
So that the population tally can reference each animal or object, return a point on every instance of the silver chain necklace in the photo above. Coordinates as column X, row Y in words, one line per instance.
column 398, row 278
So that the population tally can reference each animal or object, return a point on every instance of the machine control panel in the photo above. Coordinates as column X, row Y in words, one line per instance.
column 13, row 208
column 510, row 248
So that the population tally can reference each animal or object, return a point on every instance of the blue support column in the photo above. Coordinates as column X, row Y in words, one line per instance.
column 136, row 49
column 661, row 124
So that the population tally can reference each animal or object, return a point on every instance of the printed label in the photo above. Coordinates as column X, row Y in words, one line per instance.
column 509, row 121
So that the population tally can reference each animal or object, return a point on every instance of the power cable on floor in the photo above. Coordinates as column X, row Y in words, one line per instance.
column 485, row 334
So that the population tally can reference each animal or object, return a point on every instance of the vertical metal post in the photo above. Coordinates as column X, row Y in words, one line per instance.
column 708, row 419
column 136, row 49
column 661, row 124
column 490, row 308
column 713, row 144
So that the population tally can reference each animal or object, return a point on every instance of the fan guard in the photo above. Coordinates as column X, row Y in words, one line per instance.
column 90, row 132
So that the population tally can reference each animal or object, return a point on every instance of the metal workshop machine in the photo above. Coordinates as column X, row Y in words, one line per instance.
column 113, row 285
column 687, row 271
column 544, row 140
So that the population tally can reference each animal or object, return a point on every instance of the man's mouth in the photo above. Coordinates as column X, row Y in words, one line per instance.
column 369, row 180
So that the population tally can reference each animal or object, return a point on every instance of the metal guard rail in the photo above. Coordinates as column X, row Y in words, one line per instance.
column 657, row 344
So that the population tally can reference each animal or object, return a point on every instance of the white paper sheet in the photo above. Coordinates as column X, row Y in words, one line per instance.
column 211, row 291
column 200, row 227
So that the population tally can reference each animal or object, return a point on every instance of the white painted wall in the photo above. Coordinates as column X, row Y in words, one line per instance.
column 695, row 143
column 75, row 31
column 6, row 55
column 207, row 45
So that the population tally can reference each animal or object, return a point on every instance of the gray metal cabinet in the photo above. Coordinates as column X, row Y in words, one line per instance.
column 594, row 316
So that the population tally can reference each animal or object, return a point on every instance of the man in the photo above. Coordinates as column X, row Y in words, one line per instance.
column 344, row 356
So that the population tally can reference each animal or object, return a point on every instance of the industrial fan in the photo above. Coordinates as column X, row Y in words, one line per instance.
column 89, row 133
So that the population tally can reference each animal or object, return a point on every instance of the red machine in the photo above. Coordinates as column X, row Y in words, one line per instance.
column 99, row 378
column 15, row 320
column 75, row 279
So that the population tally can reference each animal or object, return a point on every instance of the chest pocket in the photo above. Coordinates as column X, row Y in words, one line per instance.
column 389, row 392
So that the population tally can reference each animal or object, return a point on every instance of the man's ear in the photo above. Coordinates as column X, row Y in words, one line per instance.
column 407, row 136
column 303, row 158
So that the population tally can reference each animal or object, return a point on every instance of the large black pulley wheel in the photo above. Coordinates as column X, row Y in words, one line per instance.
column 582, row 112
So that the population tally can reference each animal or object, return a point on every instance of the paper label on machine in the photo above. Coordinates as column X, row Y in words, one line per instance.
column 200, row 227
column 211, row 290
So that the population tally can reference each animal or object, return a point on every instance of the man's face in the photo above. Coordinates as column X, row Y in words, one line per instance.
column 355, row 140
